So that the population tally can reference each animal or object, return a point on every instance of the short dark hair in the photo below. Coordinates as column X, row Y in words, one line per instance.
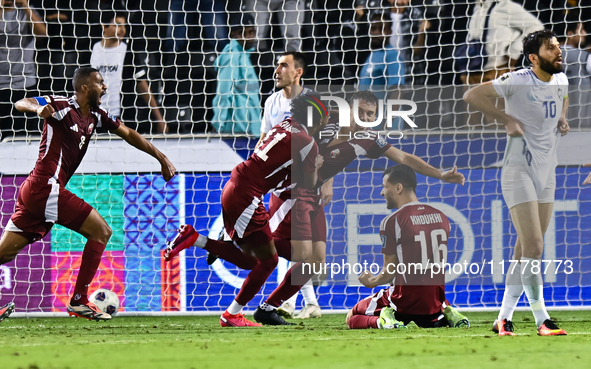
column 534, row 41
column 299, row 60
column 81, row 76
column 402, row 174
column 108, row 16
column 364, row 95
column 239, row 21
column 299, row 107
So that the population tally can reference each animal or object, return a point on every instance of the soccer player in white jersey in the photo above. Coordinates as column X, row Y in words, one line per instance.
column 291, row 66
column 536, row 106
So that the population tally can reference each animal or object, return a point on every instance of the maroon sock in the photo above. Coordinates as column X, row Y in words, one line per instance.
column 363, row 322
column 283, row 247
column 256, row 279
column 294, row 279
column 230, row 253
column 91, row 259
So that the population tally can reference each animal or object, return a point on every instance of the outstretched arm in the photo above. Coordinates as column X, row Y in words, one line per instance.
column 422, row 167
column 136, row 140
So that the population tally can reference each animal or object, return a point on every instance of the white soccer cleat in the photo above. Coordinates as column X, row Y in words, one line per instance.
column 309, row 311
column 286, row 310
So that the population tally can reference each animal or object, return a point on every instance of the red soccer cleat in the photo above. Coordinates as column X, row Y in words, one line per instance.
column 548, row 328
column 6, row 310
column 183, row 240
column 238, row 320
column 504, row 327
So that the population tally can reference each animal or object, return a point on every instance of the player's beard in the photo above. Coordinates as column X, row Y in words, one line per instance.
column 93, row 100
column 549, row 67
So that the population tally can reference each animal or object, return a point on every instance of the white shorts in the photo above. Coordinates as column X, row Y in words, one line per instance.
column 518, row 187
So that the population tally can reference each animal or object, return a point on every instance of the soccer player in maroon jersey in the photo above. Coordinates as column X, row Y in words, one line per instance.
column 43, row 199
column 286, row 158
column 415, row 236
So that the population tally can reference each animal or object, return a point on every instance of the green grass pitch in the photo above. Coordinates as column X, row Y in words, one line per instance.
column 200, row 343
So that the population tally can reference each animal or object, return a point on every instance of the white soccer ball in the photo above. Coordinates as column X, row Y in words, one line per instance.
column 106, row 300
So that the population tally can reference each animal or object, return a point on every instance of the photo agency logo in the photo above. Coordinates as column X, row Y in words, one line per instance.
column 396, row 110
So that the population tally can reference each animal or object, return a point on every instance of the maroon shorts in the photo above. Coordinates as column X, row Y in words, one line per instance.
column 426, row 315
column 294, row 219
column 40, row 205
column 245, row 218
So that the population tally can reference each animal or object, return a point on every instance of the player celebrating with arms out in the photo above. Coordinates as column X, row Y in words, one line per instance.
column 536, row 106
column 415, row 295
column 43, row 199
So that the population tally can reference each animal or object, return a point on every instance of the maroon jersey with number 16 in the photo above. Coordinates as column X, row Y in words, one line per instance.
column 417, row 233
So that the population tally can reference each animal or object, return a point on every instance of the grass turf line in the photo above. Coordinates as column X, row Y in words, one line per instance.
column 199, row 342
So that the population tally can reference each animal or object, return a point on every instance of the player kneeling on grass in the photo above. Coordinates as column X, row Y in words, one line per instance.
column 405, row 234
column 43, row 199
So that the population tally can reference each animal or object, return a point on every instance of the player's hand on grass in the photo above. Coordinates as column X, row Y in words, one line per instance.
column 45, row 111
column 453, row 176
column 364, row 279
column 514, row 128
column 563, row 126
column 588, row 179
column 168, row 170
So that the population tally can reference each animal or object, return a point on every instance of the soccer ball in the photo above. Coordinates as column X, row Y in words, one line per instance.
column 106, row 300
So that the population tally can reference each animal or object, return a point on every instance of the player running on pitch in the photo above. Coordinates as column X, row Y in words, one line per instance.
column 536, row 106
column 43, row 199
column 410, row 237
column 287, row 157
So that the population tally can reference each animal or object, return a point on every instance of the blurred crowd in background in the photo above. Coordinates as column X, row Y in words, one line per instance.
column 174, row 52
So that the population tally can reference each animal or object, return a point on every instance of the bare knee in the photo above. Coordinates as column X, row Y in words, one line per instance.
column 102, row 234
column 533, row 248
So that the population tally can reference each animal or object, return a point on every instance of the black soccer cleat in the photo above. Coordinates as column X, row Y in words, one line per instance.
column 269, row 317
column 211, row 258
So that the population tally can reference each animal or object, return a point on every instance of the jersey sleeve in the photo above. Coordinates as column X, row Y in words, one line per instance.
column 377, row 147
column 308, row 156
column 506, row 84
column 108, row 121
column 266, row 122
column 390, row 233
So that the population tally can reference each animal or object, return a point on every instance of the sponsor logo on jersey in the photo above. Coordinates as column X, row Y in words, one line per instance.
column 74, row 128
column 335, row 153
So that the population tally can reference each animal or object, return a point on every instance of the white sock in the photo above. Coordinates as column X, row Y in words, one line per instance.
column 293, row 299
column 513, row 291
column 201, row 241
column 532, row 284
column 309, row 294
column 234, row 308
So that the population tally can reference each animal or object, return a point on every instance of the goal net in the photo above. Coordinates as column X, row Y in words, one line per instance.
column 174, row 46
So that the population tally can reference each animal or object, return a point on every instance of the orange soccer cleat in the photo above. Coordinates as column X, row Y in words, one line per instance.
column 238, row 320
column 183, row 240
column 548, row 328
